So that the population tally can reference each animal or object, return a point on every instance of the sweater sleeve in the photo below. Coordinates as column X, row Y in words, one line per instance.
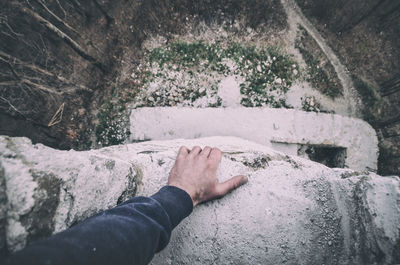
column 130, row 233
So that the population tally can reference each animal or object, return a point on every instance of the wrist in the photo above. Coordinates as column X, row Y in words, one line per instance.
column 189, row 192
column 176, row 202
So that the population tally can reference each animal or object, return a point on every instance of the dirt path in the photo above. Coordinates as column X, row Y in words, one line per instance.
column 350, row 95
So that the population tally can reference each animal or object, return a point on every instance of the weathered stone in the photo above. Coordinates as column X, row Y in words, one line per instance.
column 286, row 130
column 292, row 211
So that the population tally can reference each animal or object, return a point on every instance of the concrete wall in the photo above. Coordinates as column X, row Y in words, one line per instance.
column 292, row 210
column 262, row 125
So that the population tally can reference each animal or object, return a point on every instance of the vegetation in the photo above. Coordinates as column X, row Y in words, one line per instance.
column 112, row 128
column 321, row 74
column 189, row 71
column 188, row 74
column 112, row 117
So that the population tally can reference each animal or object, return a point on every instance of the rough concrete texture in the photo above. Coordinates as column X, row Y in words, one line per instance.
column 263, row 125
column 292, row 211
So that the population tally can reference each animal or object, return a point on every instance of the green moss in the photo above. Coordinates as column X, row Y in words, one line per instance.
column 267, row 72
column 321, row 75
column 185, row 54
column 112, row 128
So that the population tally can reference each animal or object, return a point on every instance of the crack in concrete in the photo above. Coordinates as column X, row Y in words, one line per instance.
column 214, row 246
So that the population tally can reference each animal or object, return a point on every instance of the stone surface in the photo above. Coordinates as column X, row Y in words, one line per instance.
column 271, row 127
column 292, row 211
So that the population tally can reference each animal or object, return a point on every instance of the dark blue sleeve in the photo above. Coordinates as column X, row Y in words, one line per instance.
column 130, row 233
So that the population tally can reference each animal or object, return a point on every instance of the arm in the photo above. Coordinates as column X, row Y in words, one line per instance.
column 134, row 231
column 128, row 234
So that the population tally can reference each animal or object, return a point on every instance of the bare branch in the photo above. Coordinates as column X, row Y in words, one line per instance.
column 62, row 9
column 9, row 35
column 11, row 68
column 77, row 6
column 4, row 21
column 12, row 106
column 40, row 87
column 57, row 117
column 8, row 59
column 73, row 44
column 56, row 17
column 31, row 66
column 30, row 84
column 19, row 112
column 19, row 36
column 9, row 83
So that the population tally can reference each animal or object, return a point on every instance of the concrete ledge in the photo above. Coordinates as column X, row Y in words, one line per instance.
column 282, row 129
column 292, row 210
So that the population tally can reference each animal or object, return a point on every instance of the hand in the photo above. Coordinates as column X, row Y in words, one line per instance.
column 195, row 172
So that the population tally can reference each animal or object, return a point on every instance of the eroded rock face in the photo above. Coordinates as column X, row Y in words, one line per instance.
column 292, row 211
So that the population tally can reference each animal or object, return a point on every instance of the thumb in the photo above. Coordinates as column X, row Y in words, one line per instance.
column 229, row 185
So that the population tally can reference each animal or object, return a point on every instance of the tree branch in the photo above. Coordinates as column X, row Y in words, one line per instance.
column 62, row 9
column 11, row 69
column 56, row 17
column 4, row 56
column 73, row 44
column 30, row 84
column 10, row 28
column 40, row 87
column 57, row 117
column 21, row 114
column 12, row 106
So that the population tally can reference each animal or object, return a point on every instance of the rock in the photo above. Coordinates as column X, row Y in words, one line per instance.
column 292, row 210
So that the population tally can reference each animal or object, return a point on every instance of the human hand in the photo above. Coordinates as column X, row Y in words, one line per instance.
column 195, row 172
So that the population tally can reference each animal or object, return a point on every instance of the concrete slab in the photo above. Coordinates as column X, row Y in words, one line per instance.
column 272, row 127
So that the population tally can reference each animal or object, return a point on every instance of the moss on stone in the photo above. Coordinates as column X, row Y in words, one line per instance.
column 320, row 72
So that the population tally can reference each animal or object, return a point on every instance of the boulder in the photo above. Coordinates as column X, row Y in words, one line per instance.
column 292, row 210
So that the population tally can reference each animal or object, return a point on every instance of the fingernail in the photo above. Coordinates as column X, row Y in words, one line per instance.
column 244, row 180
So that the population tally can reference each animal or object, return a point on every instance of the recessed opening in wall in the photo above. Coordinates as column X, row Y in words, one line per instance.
column 330, row 156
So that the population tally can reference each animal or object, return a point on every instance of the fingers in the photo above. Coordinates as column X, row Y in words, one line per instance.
column 215, row 155
column 183, row 152
column 214, row 158
column 229, row 185
column 206, row 151
column 195, row 151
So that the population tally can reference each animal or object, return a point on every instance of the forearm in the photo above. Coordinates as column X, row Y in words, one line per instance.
column 130, row 233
